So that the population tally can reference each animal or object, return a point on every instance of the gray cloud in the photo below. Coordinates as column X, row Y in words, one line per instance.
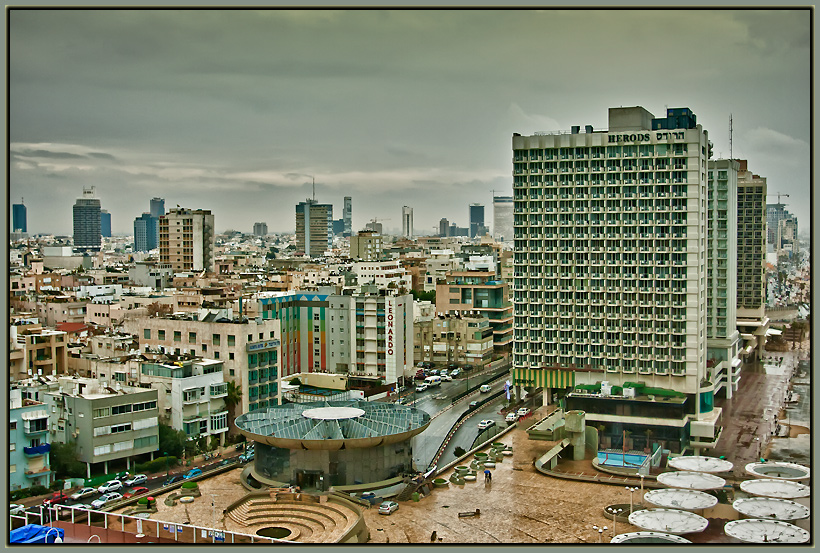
column 235, row 110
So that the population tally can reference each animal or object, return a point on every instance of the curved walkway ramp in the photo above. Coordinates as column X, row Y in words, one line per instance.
column 298, row 517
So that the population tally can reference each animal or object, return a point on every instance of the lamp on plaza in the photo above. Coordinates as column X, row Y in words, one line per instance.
column 165, row 454
column 615, row 513
column 631, row 490
column 642, row 476
column 600, row 530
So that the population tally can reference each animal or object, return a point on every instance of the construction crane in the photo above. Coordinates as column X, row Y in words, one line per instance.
column 778, row 194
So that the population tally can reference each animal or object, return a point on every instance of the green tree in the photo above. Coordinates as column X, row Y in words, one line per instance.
column 171, row 441
column 459, row 451
column 232, row 399
column 424, row 296
column 65, row 461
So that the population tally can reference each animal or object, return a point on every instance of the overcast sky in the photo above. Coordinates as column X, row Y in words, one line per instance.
column 234, row 111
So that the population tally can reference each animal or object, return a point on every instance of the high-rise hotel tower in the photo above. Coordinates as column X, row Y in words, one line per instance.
column 610, row 276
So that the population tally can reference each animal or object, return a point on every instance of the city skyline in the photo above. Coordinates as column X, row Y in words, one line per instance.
column 236, row 111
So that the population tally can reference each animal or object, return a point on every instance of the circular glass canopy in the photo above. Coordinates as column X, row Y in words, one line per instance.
column 331, row 425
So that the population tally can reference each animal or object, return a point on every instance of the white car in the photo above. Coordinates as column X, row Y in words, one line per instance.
column 523, row 412
column 85, row 492
column 455, row 373
column 442, row 372
column 136, row 480
column 110, row 486
column 107, row 498
column 486, row 423
column 421, row 387
column 388, row 507
column 484, row 388
column 446, row 377
column 511, row 417
column 16, row 509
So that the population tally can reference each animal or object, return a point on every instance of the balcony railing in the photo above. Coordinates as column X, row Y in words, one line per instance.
column 41, row 449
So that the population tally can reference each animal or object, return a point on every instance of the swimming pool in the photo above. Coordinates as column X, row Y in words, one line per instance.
column 618, row 459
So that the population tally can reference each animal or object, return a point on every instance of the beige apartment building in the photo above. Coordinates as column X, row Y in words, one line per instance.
column 186, row 239
column 466, row 340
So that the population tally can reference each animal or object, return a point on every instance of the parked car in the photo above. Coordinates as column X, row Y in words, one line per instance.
column 110, row 486
column 56, row 499
column 455, row 373
column 224, row 462
column 442, row 372
column 172, row 480
column 139, row 490
column 16, row 509
column 433, row 372
column 83, row 506
column 468, row 367
column 446, row 377
column 483, row 425
column 523, row 412
column 192, row 473
column 473, row 404
column 511, row 417
column 85, row 492
column 484, row 388
column 246, row 457
column 388, row 507
column 421, row 387
column 240, row 446
column 106, row 498
column 136, row 480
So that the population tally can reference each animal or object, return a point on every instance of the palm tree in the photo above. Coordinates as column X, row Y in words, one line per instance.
column 233, row 398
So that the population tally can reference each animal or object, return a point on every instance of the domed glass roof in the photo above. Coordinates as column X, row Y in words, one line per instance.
column 332, row 424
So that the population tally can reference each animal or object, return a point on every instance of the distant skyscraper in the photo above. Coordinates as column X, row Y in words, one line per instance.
column 87, row 234
column 157, row 207
column 347, row 214
column 18, row 217
column 503, row 217
column 338, row 227
column 260, row 229
column 476, row 220
column 374, row 226
column 105, row 223
column 186, row 239
column 314, row 227
column 444, row 227
column 145, row 233
column 407, row 222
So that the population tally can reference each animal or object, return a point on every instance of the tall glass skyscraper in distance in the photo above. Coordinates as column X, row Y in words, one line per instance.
column 105, row 223
column 476, row 220
column 18, row 217
column 87, row 232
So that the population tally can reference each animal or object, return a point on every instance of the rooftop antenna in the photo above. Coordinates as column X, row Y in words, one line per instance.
column 314, row 187
column 730, row 136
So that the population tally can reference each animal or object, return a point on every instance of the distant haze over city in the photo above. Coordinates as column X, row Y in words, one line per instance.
column 237, row 111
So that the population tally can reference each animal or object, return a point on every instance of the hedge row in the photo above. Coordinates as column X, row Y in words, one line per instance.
column 157, row 465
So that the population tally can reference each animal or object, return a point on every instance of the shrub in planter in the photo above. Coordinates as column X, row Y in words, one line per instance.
column 142, row 501
column 189, row 485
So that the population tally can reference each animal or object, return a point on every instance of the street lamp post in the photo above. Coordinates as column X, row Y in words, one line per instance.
column 600, row 530
column 641, row 489
column 167, row 472
column 631, row 490
column 615, row 513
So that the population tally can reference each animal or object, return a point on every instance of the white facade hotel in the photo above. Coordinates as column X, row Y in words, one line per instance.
column 610, row 264
column 407, row 222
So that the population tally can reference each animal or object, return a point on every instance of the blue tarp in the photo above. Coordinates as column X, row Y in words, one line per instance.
column 35, row 533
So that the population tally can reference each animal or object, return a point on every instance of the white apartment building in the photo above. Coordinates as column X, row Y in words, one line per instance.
column 610, row 270
column 191, row 395
column 723, row 339
column 438, row 264
column 382, row 274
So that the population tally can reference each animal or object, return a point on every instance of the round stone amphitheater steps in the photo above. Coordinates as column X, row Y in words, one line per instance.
column 309, row 521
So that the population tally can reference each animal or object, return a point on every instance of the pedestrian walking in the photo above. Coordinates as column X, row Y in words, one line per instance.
column 487, row 475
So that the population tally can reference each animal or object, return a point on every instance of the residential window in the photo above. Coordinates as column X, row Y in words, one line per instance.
column 231, row 341
column 146, row 333
column 177, row 336
column 145, row 406
column 230, row 356
column 103, row 412
column 12, row 468
column 13, row 425
column 160, row 335
column 118, row 428
column 192, row 337
column 120, row 409
column 216, row 355
column 216, row 339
